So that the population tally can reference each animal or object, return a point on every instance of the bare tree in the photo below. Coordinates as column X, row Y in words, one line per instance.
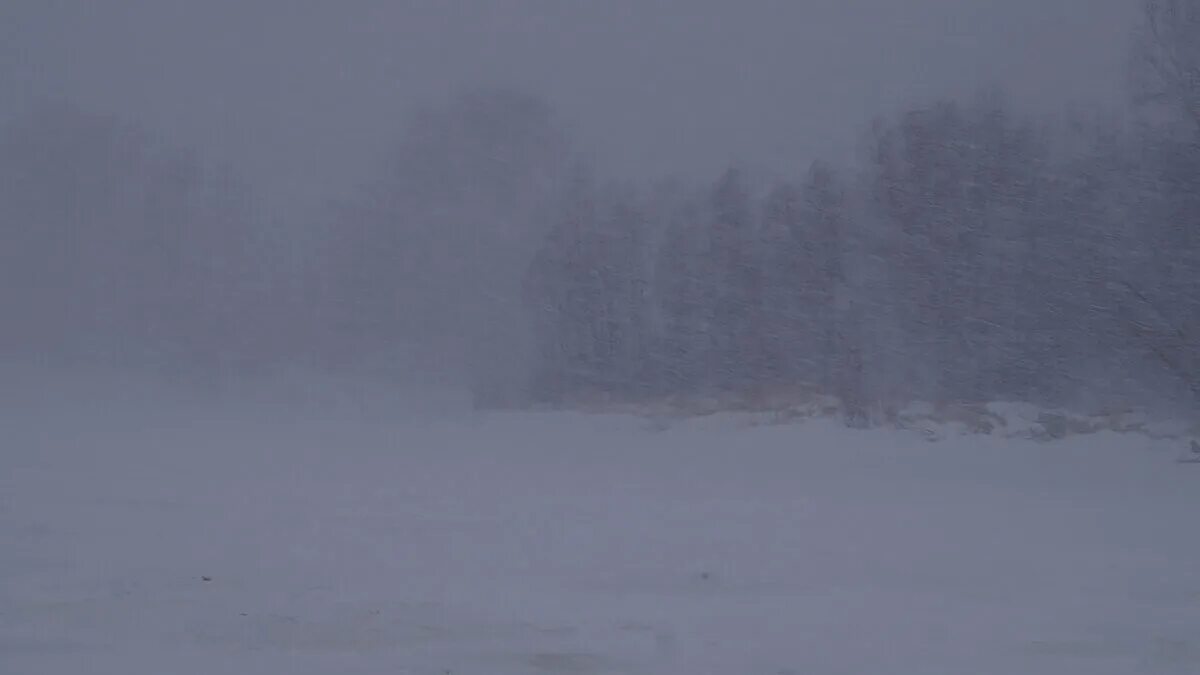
column 1167, row 57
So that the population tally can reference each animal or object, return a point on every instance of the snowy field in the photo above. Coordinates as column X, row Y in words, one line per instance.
column 147, row 532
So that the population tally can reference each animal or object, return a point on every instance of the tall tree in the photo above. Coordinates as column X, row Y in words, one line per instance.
column 431, row 255
column 1167, row 57
column 587, row 294
column 959, row 185
column 119, row 247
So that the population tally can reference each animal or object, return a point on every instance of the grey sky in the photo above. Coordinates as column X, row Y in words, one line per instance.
column 301, row 94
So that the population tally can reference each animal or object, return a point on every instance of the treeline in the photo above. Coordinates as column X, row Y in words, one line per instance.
column 117, row 248
column 973, row 256
column 972, row 253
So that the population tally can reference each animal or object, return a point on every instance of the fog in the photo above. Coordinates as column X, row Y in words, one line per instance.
column 325, row 175
column 301, row 95
column 640, row 337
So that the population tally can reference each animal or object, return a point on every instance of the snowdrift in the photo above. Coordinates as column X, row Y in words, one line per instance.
column 933, row 421
column 148, row 533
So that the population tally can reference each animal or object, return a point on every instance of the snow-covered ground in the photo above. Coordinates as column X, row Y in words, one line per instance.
column 143, row 532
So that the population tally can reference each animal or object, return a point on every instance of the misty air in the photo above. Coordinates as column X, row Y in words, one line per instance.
column 640, row 337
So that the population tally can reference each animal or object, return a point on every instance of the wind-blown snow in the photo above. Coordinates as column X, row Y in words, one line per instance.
column 145, row 534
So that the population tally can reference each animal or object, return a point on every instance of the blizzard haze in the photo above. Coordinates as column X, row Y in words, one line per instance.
column 627, row 337
column 299, row 94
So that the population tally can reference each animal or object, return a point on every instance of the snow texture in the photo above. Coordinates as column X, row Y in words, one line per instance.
column 145, row 533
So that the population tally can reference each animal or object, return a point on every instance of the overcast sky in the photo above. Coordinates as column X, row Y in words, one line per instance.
column 301, row 94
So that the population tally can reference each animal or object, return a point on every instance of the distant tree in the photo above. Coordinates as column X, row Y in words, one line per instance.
column 685, row 291
column 1167, row 57
column 118, row 247
column 826, row 224
column 803, row 232
column 586, row 291
column 65, row 222
column 735, row 262
column 960, row 186
column 430, row 255
column 787, row 270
